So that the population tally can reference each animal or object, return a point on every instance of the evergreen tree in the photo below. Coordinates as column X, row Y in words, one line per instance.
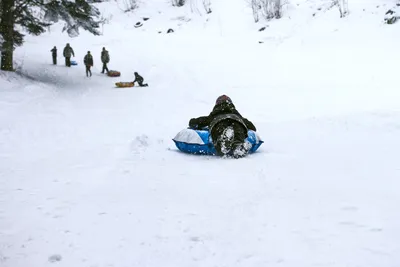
column 34, row 16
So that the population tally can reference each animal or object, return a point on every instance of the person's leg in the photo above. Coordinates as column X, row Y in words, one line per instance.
column 240, row 146
column 68, row 61
column 141, row 84
column 87, row 71
column 90, row 71
column 54, row 60
column 104, row 67
column 223, row 135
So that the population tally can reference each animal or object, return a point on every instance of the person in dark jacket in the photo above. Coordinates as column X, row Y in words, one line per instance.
column 227, row 127
column 68, row 52
column 54, row 55
column 139, row 79
column 88, row 61
column 105, row 58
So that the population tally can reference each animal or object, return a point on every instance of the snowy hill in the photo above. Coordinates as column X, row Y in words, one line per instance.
column 89, row 175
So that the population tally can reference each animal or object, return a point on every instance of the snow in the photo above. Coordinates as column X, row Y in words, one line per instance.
column 90, row 176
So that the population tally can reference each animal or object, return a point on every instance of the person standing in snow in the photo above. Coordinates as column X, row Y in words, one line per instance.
column 88, row 61
column 68, row 52
column 227, row 127
column 139, row 79
column 105, row 58
column 54, row 55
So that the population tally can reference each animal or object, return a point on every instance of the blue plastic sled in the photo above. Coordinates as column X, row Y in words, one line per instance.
column 74, row 63
column 199, row 142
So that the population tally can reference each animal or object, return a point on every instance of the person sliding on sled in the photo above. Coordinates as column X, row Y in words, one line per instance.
column 139, row 79
column 88, row 61
column 227, row 127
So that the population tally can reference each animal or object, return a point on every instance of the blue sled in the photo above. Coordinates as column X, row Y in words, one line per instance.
column 199, row 142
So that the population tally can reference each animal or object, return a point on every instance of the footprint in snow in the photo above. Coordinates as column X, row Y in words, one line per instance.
column 140, row 143
column 350, row 208
column 55, row 258
column 351, row 224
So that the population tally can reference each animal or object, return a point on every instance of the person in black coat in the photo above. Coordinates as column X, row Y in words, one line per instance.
column 68, row 52
column 139, row 79
column 105, row 58
column 227, row 127
column 54, row 55
column 88, row 61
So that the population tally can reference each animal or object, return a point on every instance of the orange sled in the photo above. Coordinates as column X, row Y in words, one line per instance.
column 114, row 73
column 124, row 84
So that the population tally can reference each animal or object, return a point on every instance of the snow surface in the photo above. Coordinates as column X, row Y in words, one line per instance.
column 90, row 176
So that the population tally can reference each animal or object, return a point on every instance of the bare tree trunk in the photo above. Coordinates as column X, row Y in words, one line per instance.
column 278, row 11
column 346, row 7
column 255, row 5
column 207, row 6
column 270, row 8
column 7, row 31
column 343, row 7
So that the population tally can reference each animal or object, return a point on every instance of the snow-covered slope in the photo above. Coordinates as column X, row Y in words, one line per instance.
column 89, row 175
